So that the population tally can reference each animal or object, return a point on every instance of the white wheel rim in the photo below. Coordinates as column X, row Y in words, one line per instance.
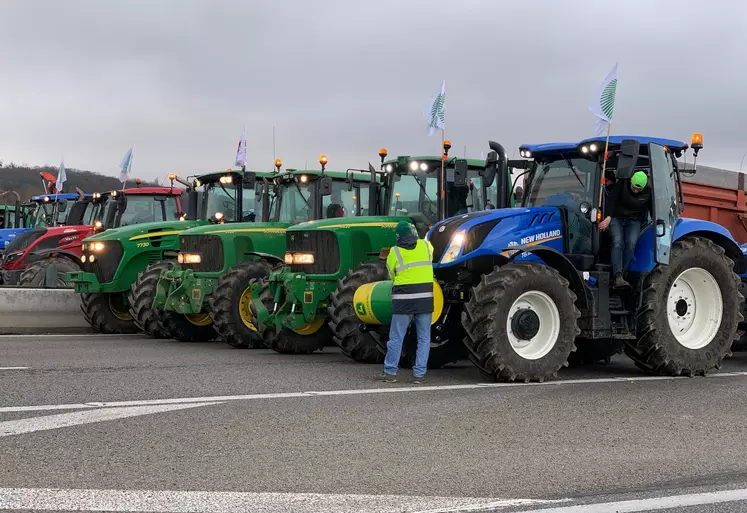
column 549, row 327
column 695, row 308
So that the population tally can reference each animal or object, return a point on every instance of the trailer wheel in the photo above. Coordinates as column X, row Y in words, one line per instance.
column 690, row 311
column 108, row 313
column 304, row 340
column 141, row 295
column 521, row 322
column 33, row 276
column 231, row 305
column 357, row 340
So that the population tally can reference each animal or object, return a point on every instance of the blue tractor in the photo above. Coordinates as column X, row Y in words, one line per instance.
column 533, row 285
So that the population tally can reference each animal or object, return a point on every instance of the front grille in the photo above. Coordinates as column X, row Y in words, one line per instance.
column 441, row 235
column 106, row 263
column 210, row 248
column 25, row 239
column 322, row 244
column 477, row 234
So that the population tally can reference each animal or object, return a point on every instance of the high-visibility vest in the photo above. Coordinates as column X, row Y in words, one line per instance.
column 411, row 271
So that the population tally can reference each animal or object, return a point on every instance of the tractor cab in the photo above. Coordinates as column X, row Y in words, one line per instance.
column 53, row 209
column 137, row 206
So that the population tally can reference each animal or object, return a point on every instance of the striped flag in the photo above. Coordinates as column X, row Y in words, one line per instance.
column 604, row 103
column 126, row 165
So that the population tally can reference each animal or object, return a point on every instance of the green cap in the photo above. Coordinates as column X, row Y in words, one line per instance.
column 639, row 180
column 403, row 228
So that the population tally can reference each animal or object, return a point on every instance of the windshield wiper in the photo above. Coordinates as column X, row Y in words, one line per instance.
column 298, row 187
column 422, row 188
column 570, row 166
column 227, row 193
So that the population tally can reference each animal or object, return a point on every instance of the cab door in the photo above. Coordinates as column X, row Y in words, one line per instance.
column 664, row 198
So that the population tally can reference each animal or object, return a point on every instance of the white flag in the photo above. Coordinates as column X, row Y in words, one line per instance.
column 435, row 110
column 126, row 165
column 241, row 150
column 61, row 176
column 482, row 155
column 604, row 102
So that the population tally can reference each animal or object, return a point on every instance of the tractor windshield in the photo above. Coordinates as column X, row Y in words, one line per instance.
column 145, row 209
column 45, row 214
column 561, row 180
column 220, row 197
column 294, row 203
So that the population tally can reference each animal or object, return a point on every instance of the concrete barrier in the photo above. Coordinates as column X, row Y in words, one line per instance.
column 41, row 311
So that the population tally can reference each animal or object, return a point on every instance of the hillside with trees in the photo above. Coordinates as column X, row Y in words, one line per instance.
column 25, row 180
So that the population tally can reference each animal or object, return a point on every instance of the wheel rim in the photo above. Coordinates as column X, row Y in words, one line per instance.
column 118, row 307
column 310, row 327
column 200, row 319
column 533, row 325
column 245, row 309
column 694, row 308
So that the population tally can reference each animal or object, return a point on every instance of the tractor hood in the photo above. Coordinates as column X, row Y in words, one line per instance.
column 8, row 234
column 349, row 222
column 494, row 233
column 236, row 228
column 144, row 230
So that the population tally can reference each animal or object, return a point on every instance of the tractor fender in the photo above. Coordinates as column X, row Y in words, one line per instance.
column 266, row 256
column 560, row 263
column 38, row 255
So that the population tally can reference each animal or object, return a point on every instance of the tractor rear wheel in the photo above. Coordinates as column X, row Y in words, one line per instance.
column 521, row 323
column 108, row 313
column 358, row 341
column 232, row 304
column 304, row 340
column 34, row 274
column 141, row 295
column 741, row 343
column 187, row 327
column 690, row 311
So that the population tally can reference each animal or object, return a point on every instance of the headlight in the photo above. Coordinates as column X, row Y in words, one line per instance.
column 299, row 258
column 414, row 166
column 98, row 225
column 96, row 246
column 584, row 208
column 189, row 258
column 455, row 246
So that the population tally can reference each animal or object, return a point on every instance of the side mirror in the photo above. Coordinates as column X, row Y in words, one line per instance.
column 627, row 159
column 61, row 206
column 325, row 186
column 250, row 179
column 519, row 194
column 349, row 181
column 491, row 169
column 460, row 173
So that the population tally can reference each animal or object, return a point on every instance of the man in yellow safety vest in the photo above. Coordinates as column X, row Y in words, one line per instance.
column 410, row 265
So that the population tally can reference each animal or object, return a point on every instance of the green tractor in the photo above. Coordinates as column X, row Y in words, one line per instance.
column 113, row 259
column 311, row 299
column 211, row 284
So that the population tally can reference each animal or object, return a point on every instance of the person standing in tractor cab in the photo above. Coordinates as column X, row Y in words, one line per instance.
column 628, row 204
column 410, row 265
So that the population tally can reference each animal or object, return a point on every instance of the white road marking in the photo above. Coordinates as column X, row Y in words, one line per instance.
column 228, row 502
column 61, row 420
column 358, row 391
column 14, row 368
column 652, row 504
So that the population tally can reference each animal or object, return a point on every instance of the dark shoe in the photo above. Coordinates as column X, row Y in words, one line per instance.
column 418, row 380
column 620, row 282
column 386, row 378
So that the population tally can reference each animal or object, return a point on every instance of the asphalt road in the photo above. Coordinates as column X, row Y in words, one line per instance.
column 102, row 423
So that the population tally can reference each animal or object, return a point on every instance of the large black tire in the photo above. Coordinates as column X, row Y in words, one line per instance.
column 141, row 295
column 108, row 313
column 486, row 315
column 231, row 305
column 446, row 345
column 357, row 340
column 741, row 343
column 657, row 350
column 33, row 275
column 187, row 328
column 287, row 341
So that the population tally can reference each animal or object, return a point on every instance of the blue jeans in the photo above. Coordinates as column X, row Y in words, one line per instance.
column 397, row 332
column 625, row 234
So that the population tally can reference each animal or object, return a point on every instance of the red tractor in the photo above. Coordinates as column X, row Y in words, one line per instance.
column 42, row 256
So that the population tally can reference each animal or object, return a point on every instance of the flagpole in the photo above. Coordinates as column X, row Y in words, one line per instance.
column 604, row 163
column 443, row 176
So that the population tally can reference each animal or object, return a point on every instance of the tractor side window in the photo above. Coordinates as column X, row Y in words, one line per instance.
column 248, row 205
column 146, row 209
column 340, row 203
column 360, row 191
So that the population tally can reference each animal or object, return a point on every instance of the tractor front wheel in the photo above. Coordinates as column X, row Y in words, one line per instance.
column 304, row 340
column 521, row 322
column 232, row 305
column 108, row 313
column 357, row 340
column 141, row 297
column 34, row 274
column 690, row 311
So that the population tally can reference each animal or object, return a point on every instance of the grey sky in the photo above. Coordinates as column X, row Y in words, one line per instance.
column 86, row 79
